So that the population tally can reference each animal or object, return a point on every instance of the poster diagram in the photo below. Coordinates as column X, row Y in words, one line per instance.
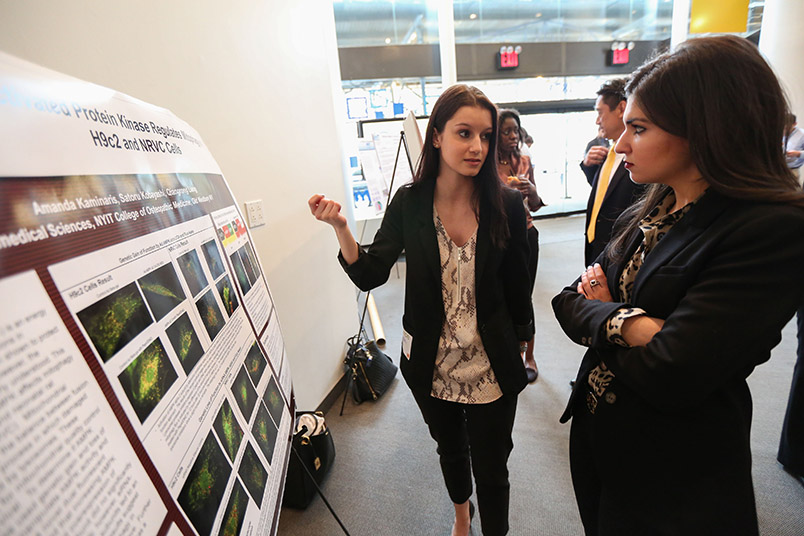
column 144, row 387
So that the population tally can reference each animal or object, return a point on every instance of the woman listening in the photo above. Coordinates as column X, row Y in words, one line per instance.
column 691, row 294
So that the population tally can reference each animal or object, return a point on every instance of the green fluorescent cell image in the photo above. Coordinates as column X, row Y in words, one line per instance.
column 203, row 490
column 253, row 258
column 184, row 340
column 227, row 294
column 252, row 275
column 210, row 314
column 191, row 270
column 244, row 393
column 265, row 432
column 235, row 511
column 228, row 429
column 273, row 400
column 253, row 474
column 147, row 379
column 213, row 257
column 162, row 290
column 113, row 321
column 255, row 363
column 240, row 272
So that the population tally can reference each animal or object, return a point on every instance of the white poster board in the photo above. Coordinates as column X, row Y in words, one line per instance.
column 144, row 387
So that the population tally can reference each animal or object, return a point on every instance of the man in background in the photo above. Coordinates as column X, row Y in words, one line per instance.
column 794, row 146
column 612, row 189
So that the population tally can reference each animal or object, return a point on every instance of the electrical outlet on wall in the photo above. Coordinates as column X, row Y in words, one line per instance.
column 254, row 213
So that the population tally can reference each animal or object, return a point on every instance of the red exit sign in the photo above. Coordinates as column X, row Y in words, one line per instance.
column 620, row 57
column 620, row 53
column 508, row 57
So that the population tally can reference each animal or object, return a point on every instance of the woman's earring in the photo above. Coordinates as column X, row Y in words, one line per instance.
column 437, row 146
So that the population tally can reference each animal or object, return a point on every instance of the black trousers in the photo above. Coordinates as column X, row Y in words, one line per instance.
column 533, row 258
column 791, row 446
column 474, row 438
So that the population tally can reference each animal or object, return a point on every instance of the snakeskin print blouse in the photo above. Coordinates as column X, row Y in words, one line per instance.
column 462, row 370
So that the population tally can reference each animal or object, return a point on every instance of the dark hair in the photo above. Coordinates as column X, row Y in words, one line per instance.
column 613, row 92
column 510, row 113
column 720, row 95
column 488, row 188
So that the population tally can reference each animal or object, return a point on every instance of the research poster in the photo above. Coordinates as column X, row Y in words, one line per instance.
column 144, row 385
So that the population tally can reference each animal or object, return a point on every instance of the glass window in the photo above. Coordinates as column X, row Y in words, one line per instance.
column 363, row 23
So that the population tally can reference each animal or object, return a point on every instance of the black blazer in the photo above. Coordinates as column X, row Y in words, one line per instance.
column 620, row 194
column 672, row 439
column 502, row 286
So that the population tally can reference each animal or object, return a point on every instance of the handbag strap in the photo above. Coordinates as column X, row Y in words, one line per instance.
column 318, row 489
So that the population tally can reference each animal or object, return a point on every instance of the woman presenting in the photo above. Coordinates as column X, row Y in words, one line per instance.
column 690, row 296
column 467, row 306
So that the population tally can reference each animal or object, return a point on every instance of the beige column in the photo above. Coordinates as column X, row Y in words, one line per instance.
column 782, row 42
column 446, row 43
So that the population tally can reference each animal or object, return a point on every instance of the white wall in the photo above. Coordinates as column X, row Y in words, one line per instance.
column 257, row 80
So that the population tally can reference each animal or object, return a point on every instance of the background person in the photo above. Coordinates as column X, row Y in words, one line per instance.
column 791, row 443
column 516, row 170
column 612, row 191
column 691, row 295
column 467, row 307
column 794, row 145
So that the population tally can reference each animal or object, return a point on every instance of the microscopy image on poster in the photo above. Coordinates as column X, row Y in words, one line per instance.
column 228, row 296
column 235, row 511
column 253, row 259
column 228, row 429
column 273, row 400
column 213, row 257
column 253, row 473
column 184, row 340
column 147, row 379
column 113, row 321
column 255, row 363
column 162, row 290
column 203, row 490
column 250, row 273
column 192, row 272
column 265, row 432
column 244, row 394
column 210, row 314
column 240, row 272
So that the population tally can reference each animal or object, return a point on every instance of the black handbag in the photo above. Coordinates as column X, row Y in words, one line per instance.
column 315, row 453
column 371, row 370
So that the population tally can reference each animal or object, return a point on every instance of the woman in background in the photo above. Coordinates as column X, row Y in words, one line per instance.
column 467, row 310
column 693, row 291
column 516, row 170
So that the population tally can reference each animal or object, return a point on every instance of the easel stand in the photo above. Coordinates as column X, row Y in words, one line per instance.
column 361, row 333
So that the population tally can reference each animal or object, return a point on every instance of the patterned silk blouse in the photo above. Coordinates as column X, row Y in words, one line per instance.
column 462, row 370
column 654, row 227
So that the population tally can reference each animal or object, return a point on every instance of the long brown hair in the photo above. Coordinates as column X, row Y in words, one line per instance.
column 720, row 95
column 488, row 188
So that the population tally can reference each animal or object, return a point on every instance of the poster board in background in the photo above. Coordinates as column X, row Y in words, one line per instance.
column 413, row 136
column 382, row 152
column 144, row 386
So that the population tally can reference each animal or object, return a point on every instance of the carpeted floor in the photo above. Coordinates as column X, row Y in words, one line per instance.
column 386, row 479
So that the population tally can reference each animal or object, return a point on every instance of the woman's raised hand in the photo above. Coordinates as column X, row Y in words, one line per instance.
column 594, row 285
column 327, row 210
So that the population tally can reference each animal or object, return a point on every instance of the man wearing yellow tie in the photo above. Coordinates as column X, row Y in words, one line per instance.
column 612, row 189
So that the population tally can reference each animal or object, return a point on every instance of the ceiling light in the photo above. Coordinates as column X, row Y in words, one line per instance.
column 473, row 16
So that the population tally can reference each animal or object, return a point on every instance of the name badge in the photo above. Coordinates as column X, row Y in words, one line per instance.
column 407, row 341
